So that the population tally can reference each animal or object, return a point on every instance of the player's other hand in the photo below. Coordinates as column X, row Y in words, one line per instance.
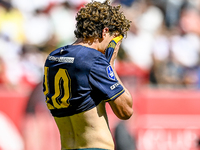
column 113, row 48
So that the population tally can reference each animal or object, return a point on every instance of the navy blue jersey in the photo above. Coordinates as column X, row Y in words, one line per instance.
column 76, row 79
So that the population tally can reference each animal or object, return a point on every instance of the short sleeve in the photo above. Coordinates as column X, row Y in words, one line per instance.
column 103, row 82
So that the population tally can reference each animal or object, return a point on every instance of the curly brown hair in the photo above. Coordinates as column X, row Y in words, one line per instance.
column 95, row 16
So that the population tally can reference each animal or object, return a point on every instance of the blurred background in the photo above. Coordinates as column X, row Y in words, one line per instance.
column 158, row 61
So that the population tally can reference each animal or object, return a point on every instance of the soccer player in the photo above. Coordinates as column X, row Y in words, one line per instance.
column 80, row 78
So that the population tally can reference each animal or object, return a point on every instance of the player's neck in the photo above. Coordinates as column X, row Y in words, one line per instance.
column 90, row 42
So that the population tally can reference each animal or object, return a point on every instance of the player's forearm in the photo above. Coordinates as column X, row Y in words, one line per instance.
column 122, row 105
column 128, row 98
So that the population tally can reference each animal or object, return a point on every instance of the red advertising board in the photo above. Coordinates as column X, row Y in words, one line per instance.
column 167, row 119
column 164, row 119
column 13, row 104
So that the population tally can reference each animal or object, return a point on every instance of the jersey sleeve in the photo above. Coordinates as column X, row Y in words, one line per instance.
column 103, row 82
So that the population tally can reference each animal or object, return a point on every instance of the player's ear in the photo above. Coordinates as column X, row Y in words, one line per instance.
column 105, row 32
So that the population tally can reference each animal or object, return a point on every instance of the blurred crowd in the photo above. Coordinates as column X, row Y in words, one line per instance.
column 163, row 40
column 29, row 30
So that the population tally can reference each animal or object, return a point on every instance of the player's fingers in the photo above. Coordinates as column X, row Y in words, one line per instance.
column 116, row 49
column 118, row 44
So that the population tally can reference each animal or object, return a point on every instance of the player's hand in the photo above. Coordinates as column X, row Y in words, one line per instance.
column 113, row 47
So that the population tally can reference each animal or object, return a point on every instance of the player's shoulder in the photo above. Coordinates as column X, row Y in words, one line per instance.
column 56, row 51
column 77, row 50
column 82, row 56
column 86, row 54
column 89, row 57
column 87, row 51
